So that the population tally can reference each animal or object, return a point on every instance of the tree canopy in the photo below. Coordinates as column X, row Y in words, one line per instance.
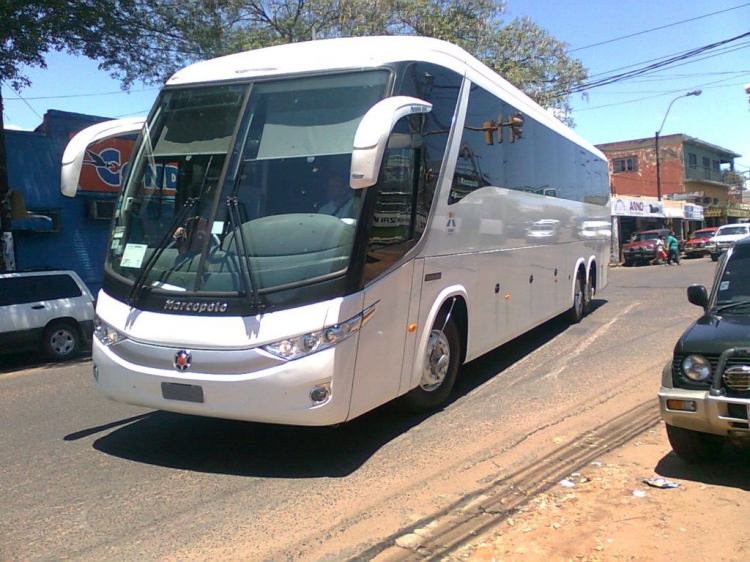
column 148, row 40
column 28, row 31
column 167, row 35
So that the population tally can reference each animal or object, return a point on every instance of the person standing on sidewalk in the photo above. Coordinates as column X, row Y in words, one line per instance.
column 673, row 249
column 661, row 252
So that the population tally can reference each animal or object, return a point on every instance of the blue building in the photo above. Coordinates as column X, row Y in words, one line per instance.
column 59, row 231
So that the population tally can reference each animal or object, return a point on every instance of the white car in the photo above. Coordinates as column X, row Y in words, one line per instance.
column 593, row 230
column 543, row 232
column 53, row 310
column 725, row 237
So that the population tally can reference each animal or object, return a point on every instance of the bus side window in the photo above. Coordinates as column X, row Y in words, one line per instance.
column 399, row 217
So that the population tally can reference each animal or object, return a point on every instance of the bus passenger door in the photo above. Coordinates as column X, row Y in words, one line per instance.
column 399, row 216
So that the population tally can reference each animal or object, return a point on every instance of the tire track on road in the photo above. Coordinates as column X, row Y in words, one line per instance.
column 465, row 521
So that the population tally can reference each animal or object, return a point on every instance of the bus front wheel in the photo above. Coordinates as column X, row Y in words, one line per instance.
column 439, row 367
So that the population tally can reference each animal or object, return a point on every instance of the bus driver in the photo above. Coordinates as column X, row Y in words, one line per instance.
column 341, row 201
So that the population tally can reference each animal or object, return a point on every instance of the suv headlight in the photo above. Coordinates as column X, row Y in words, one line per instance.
column 696, row 368
column 105, row 333
column 307, row 344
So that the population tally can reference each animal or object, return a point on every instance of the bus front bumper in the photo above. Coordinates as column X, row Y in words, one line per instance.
column 276, row 394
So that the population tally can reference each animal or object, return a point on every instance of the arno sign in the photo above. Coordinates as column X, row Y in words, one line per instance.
column 624, row 207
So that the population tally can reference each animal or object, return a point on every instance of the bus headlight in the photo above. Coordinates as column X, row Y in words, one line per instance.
column 696, row 368
column 307, row 344
column 105, row 333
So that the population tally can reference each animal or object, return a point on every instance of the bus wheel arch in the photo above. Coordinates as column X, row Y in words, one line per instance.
column 442, row 356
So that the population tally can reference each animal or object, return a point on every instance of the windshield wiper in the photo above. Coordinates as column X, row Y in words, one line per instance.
column 164, row 241
column 243, row 259
column 733, row 305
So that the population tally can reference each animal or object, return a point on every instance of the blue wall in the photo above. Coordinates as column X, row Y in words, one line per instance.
column 34, row 163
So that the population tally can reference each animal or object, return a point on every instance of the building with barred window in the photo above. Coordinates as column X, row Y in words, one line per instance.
column 697, row 185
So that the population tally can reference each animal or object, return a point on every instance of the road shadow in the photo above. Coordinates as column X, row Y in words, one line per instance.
column 732, row 470
column 276, row 451
column 12, row 362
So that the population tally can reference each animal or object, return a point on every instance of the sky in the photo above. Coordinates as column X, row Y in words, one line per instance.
column 609, row 37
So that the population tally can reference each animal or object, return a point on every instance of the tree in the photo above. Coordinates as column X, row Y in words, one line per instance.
column 28, row 31
column 182, row 32
column 148, row 40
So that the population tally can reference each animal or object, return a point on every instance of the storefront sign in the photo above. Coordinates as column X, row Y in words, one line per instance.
column 734, row 212
column 689, row 196
column 693, row 212
column 624, row 207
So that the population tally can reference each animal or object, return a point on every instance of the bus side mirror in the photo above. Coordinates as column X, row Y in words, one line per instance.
column 75, row 152
column 698, row 296
column 372, row 134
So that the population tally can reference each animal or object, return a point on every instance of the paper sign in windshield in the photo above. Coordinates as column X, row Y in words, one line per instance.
column 133, row 255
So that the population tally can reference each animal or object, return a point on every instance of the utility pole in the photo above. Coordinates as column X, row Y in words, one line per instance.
column 656, row 137
column 7, row 252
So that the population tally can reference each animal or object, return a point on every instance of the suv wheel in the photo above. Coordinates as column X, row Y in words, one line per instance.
column 61, row 340
column 694, row 446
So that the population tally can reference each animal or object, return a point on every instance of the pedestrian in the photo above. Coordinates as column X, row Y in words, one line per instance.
column 673, row 249
column 660, row 255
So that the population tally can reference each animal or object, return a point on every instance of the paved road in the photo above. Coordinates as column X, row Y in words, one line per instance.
column 88, row 479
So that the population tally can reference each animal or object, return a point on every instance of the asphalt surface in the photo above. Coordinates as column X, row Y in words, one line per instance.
column 88, row 479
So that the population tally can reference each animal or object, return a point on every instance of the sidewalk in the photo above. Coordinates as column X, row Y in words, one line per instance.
column 607, row 513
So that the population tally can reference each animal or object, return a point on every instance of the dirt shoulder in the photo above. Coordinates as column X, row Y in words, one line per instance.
column 605, row 512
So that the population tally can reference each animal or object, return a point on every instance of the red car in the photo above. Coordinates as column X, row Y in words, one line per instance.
column 641, row 249
column 696, row 246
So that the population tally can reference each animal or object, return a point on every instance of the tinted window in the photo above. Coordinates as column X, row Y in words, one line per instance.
column 440, row 87
column 400, row 212
column 16, row 290
column 21, row 290
column 51, row 287
column 734, row 285
column 502, row 147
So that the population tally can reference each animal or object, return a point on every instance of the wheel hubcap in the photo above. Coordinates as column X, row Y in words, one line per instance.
column 62, row 342
column 437, row 361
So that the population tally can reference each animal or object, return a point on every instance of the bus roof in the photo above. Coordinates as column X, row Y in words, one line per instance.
column 314, row 56
column 350, row 53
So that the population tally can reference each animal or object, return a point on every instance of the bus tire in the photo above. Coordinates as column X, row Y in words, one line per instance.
column 578, row 310
column 439, row 368
column 588, row 295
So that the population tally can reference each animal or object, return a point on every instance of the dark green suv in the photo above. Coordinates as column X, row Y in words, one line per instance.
column 705, row 389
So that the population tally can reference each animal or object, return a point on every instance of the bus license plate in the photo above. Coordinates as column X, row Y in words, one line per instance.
column 183, row 392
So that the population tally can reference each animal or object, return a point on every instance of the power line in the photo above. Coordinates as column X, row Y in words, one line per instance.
column 36, row 98
column 658, row 59
column 707, row 86
column 655, row 29
column 21, row 98
column 655, row 66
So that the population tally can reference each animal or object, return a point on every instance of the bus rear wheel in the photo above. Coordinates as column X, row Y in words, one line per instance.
column 578, row 310
column 439, row 367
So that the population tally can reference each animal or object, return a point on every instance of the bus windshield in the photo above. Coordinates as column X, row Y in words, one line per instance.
column 243, row 188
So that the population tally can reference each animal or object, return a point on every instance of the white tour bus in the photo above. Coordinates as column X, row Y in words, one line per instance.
column 243, row 282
